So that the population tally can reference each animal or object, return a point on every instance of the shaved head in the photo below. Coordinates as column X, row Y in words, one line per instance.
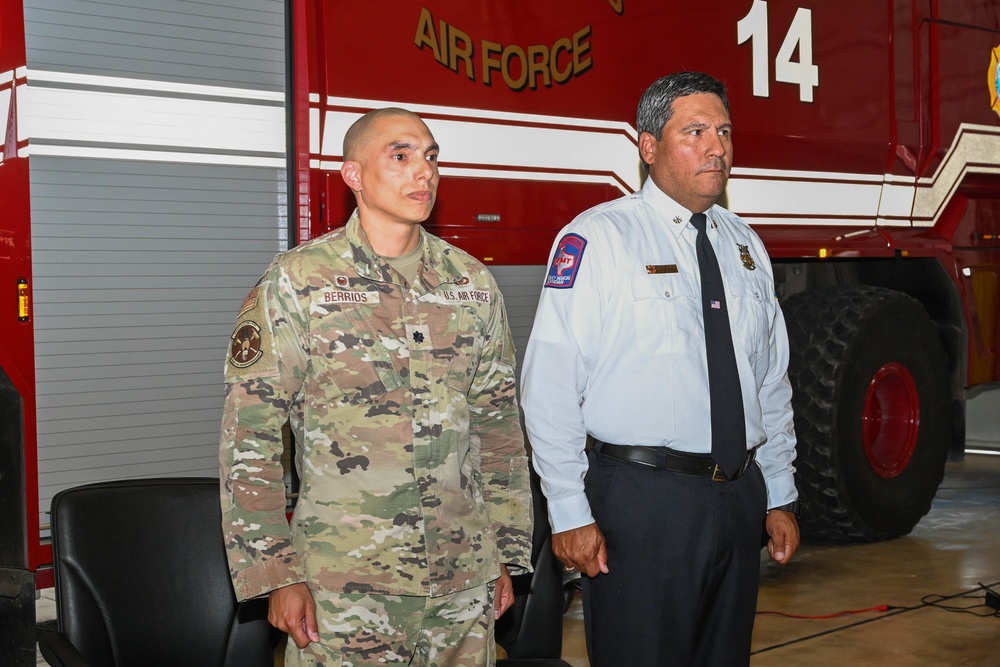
column 360, row 133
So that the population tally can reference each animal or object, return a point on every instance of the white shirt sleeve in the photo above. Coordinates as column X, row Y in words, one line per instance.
column 559, row 360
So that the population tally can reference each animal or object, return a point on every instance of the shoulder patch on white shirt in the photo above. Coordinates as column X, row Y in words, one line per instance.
column 566, row 261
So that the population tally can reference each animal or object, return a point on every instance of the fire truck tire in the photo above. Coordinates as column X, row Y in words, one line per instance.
column 872, row 411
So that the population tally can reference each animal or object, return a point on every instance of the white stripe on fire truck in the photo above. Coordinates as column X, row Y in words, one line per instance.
column 591, row 150
column 534, row 148
column 975, row 150
column 74, row 115
column 63, row 114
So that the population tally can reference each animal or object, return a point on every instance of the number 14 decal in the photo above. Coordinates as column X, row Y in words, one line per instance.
column 753, row 27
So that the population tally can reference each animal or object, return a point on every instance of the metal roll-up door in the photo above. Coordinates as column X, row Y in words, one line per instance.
column 158, row 197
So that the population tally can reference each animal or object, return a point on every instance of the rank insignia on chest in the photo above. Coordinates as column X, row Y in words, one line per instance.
column 418, row 333
column 748, row 262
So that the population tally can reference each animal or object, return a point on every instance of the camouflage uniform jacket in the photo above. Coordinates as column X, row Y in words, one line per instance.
column 401, row 400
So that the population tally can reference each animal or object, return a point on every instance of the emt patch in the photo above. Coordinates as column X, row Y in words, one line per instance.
column 566, row 262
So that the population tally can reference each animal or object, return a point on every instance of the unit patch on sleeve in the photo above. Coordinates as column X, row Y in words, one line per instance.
column 251, row 350
column 566, row 262
column 245, row 348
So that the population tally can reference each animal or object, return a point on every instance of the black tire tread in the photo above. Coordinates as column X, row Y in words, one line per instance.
column 824, row 325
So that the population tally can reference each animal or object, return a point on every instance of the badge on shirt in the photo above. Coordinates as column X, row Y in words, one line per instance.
column 748, row 262
column 566, row 262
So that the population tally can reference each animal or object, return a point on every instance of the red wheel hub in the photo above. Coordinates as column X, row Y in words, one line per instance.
column 891, row 419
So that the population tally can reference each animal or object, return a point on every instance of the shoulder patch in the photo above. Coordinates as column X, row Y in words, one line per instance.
column 566, row 261
column 251, row 346
column 249, row 302
column 245, row 348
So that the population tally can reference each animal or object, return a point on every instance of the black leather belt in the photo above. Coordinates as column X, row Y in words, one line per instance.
column 665, row 458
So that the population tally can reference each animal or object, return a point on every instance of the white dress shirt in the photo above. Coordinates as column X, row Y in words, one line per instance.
column 618, row 346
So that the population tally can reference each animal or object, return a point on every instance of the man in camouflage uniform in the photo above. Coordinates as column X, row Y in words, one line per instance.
column 387, row 351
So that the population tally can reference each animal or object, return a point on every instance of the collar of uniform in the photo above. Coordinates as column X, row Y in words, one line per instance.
column 669, row 210
column 367, row 262
column 437, row 268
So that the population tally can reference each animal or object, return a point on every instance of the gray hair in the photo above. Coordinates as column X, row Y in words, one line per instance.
column 655, row 105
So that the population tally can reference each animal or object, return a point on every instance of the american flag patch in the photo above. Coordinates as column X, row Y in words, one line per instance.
column 715, row 304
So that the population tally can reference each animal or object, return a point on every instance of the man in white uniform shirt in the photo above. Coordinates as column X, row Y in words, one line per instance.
column 669, row 542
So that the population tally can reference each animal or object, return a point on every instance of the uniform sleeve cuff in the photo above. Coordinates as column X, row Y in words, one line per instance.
column 263, row 578
column 781, row 490
column 569, row 513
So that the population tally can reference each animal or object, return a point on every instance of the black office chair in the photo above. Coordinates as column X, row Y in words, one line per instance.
column 142, row 579
column 531, row 630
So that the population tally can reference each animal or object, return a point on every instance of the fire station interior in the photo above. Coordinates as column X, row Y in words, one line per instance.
column 158, row 155
column 928, row 598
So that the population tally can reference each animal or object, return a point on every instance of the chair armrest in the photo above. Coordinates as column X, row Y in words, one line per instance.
column 56, row 647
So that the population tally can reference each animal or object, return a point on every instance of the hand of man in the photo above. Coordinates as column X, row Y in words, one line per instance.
column 784, row 532
column 293, row 610
column 504, row 595
column 582, row 549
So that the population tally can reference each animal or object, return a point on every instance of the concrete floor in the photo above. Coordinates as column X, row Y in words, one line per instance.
column 953, row 550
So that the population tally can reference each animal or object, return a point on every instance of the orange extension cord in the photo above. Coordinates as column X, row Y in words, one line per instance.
column 881, row 607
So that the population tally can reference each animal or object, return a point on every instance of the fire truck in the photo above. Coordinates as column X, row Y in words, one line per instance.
column 157, row 155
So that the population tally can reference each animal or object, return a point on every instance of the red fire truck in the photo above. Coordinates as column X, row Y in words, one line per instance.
column 155, row 158
column 868, row 160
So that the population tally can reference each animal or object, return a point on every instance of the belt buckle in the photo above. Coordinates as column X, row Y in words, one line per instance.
column 718, row 475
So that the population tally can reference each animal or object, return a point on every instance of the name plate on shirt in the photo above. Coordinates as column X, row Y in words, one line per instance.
column 478, row 295
column 346, row 296
column 661, row 268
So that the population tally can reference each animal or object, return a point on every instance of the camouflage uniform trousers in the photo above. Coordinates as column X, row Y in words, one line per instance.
column 357, row 630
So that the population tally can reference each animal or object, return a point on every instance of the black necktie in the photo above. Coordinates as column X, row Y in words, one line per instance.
column 729, row 438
